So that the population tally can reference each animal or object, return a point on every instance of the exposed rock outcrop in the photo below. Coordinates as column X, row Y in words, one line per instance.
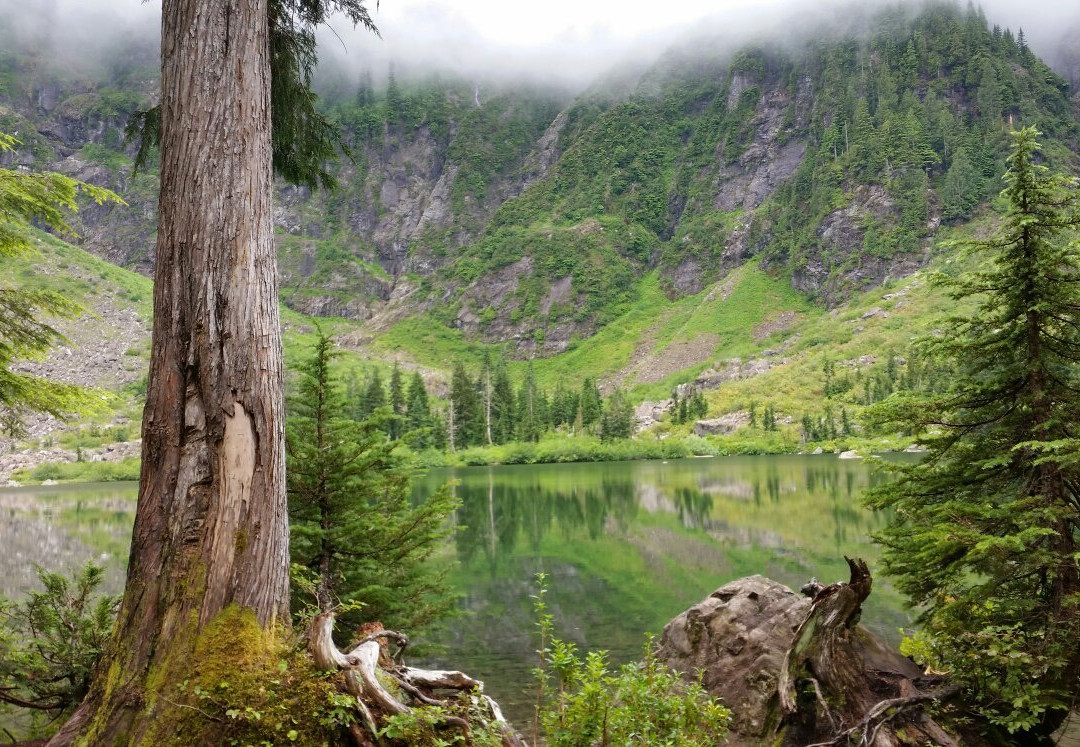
column 722, row 425
column 798, row 670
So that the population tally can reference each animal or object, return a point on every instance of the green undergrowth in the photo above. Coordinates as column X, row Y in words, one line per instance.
column 563, row 449
column 61, row 472
column 234, row 683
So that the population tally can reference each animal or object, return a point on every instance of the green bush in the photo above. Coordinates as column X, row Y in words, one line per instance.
column 121, row 471
column 582, row 702
column 50, row 642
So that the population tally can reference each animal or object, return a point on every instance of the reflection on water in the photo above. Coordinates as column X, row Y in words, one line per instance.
column 626, row 546
column 62, row 527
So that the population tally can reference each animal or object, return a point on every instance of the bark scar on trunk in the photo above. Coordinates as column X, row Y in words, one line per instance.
column 236, row 464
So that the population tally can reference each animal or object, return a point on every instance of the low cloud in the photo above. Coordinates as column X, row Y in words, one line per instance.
column 572, row 44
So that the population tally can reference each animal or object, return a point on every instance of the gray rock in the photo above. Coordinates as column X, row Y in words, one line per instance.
column 722, row 425
column 737, row 639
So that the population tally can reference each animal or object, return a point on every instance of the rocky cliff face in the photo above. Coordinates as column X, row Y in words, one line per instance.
column 525, row 216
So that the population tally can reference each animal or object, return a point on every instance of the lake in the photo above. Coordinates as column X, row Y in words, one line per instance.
column 625, row 545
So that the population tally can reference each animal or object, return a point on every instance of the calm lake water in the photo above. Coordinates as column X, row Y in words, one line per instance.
column 625, row 545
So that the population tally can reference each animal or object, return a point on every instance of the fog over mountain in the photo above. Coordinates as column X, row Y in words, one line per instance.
column 563, row 42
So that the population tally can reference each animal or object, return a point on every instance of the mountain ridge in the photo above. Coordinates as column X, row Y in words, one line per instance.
column 528, row 218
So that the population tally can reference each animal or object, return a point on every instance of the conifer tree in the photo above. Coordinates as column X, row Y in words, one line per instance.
column 486, row 390
column 987, row 527
column 25, row 199
column 502, row 406
column 590, row 402
column 617, row 419
column 418, row 424
column 768, row 418
column 353, row 524
column 699, row 408
column 397, row 402
column 529, row 413
column 467, row 416
column 963, row 187
column 374, row 395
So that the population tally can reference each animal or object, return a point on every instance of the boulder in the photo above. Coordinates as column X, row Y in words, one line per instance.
column 737, row 638
column 722, row 425
column 799, row 669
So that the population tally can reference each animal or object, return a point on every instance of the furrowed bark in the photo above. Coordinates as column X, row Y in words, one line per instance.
column 211, row 525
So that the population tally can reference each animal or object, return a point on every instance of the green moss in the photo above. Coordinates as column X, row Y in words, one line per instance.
column 240, row 541
column 239, row 683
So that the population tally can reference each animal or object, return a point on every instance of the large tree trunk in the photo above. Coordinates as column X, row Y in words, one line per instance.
column 211, row 526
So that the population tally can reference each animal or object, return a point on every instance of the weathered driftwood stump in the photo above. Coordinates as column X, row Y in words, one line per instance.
column 800, row 671
column 366, row 665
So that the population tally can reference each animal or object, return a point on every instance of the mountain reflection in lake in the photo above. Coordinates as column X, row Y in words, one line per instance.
column 626, row 546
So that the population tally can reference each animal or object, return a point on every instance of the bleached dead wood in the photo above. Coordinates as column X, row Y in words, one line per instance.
column 362, row 666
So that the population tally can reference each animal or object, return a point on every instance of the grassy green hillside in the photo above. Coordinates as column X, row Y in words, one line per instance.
column 655, row 345
column 754, row 224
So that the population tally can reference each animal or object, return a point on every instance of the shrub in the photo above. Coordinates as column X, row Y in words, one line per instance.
column 50, row 641
column 581, row 702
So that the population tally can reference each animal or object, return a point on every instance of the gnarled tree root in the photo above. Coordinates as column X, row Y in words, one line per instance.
column 422, row 686
column 839, row 686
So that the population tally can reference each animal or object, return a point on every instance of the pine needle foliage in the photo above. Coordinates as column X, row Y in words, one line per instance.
column 304, row 140
column 42, row 199
column 353, row 524
column 51, row 640
column 986, row 528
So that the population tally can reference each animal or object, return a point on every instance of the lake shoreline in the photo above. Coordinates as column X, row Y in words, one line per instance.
column 626, row 546
column 120, row 462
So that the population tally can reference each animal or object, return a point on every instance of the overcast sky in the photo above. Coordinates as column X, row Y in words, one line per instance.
column 564, row 40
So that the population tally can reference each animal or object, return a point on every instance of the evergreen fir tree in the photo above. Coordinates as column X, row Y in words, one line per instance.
column 987, row 527
column 418, row 424
column 617, row 419
column 768, row 418
column 41, row 199
column 467, row 416
column 485, row 390
column 529, row 415
column 397, row 403
column 502, row 406
column 590, row 402
column 963, row 187
column 374, row 395
column 699, row 408
column 353, row 523
column 543, row 411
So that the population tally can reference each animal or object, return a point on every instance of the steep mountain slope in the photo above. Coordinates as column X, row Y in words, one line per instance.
column 517, row 216
column 836, row 160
